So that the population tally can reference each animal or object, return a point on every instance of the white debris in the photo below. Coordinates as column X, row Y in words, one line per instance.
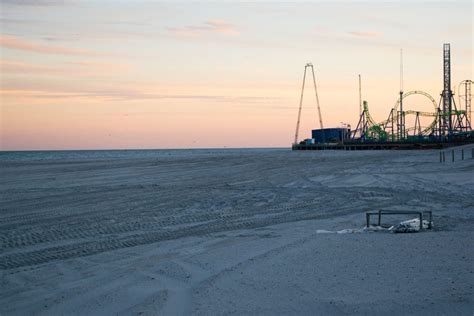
column 374, row 228
column 342, row 231
column 409, row 226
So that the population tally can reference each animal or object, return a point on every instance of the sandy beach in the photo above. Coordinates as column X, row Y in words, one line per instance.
column 219, row 232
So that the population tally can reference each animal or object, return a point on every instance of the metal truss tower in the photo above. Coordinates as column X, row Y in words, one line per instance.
column 308, row 65
column 467, row 97
column 445, row 121
column 401, row 113
column 468, row 102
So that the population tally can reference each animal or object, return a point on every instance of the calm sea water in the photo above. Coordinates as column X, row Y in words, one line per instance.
column 122, row 153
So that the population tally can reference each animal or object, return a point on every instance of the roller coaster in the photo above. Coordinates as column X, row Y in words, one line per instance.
column 448, row 122
column 446, row 125
column 388, row 130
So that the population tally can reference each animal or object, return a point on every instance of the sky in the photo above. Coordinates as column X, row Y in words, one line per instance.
column 186, row 74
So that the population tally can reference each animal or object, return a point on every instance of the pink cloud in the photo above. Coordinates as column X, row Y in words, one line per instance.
column 365, row 34
column 18, row 67
column 211, row 26
column 323, row 31
column 76, row 68
column 48, row 91
column 222, row 27
column 37, row 2
column 12, row 42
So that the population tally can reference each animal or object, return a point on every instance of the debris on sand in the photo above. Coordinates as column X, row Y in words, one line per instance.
column 342, row 231
column 410, row 226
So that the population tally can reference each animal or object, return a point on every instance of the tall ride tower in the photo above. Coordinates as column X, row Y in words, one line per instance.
column 446, row 108
column 401, row 113
column 308, row 65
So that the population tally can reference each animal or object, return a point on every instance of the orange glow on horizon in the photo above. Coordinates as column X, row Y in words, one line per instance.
column 186, row 79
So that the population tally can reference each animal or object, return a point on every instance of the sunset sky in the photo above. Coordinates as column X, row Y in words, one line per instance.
column 181, row 74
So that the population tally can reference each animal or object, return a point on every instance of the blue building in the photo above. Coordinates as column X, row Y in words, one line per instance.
column 331, row 135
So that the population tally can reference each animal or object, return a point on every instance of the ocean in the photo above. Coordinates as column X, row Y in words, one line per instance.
column 123, row 153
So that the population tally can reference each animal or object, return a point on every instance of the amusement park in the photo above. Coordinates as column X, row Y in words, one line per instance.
column 448, row 124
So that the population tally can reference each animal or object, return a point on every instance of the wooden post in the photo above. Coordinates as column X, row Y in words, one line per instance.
column 452, row 155
column 462, row 154
column 440, row 157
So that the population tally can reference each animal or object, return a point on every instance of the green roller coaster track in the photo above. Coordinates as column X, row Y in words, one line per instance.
column 378, row 131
